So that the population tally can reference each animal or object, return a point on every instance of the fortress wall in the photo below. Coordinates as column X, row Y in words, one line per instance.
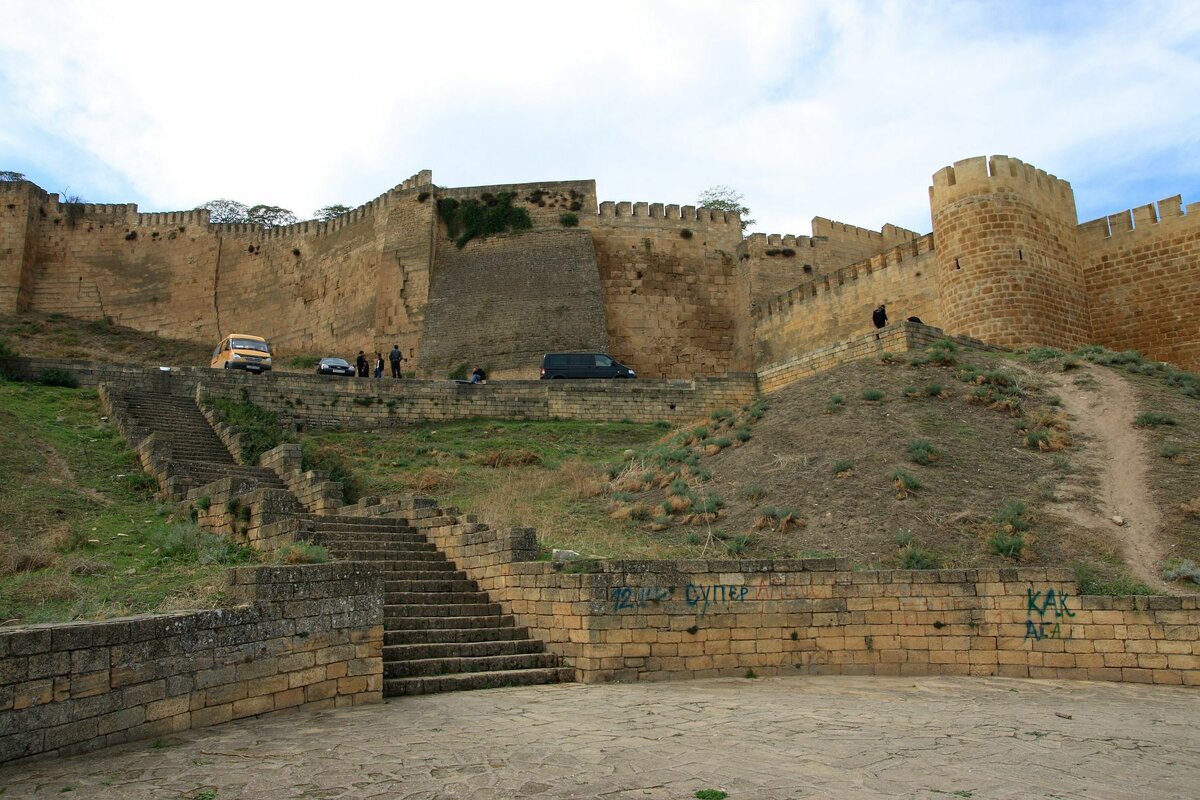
column 1142, row 270
column 504, row 301
column 354, row 282
column 837, row 307
column 1009, row 270
column 668, row 275
column 777, row 263
column 20, row 202
column 307, row 636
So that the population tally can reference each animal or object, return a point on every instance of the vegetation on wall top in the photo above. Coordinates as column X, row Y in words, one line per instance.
column 473, row 219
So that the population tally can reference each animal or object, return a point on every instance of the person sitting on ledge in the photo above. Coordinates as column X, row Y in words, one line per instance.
column 879, row 316
column 477, row 375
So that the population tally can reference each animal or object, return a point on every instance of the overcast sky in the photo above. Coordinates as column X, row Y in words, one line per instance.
column 839, row 109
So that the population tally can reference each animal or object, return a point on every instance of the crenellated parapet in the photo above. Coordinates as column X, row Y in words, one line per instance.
column 823, row 228
column 1144, row 221
column 666, row 214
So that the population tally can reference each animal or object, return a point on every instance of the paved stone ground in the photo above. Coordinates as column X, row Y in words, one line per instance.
column 818, row 737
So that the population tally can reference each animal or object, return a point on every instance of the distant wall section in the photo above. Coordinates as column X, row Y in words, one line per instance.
column 668, row 274
column 1142, row 270
column 504, row 301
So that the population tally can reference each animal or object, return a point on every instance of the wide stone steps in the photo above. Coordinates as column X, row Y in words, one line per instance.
column 453, row 636
column 432, row 586
column 419, row 570
column 476, row 680
column 427, row 623
column 432, row 557
column 404, row 610
column 470, row 597
column 367, row 543
column 446, row 666
column 425, row 651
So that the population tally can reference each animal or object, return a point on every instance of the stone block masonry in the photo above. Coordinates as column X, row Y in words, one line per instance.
column 655, row 620
column 308, row 636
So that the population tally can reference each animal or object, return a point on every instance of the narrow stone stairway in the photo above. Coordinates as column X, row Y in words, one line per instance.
column 198, row 456
column 440, row 632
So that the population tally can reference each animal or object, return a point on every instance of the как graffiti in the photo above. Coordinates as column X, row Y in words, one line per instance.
column 1040, row 603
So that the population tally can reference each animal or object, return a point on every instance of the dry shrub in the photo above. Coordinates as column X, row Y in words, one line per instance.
column 208, row 594
column 434, row 480
column 27, row 558
column 628, row 483
column 698, row 519
column 679, row 503
column 82, row 565
column 634, row 511
column 1192, row 508
column 658, row 526
column 582, row 481
column 508, row 458
column 1053, row 419
column 1058, row 441
column 712, row 450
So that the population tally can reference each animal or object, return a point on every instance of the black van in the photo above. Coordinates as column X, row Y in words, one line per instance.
column 583, row 365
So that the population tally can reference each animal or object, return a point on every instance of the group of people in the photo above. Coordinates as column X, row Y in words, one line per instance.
column 363, row 366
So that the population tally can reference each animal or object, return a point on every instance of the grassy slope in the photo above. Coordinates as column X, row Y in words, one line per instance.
column 75, row 503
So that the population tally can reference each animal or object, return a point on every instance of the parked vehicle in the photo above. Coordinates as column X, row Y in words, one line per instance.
column 335, row 366
column 242, row 351
column 583, row 365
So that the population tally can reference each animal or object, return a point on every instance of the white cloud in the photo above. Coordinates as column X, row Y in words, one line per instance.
column 842, row 110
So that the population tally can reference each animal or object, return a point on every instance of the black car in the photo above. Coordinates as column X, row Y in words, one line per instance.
column 583, row 365
column 335, row 366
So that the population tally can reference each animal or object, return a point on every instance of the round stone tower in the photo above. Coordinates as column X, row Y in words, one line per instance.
column 1008, row 263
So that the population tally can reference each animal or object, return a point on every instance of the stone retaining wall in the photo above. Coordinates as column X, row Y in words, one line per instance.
column 654, row 620
column 311, row 401
column 307, row 636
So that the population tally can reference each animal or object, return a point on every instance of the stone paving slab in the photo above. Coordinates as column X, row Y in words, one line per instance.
column 799, row 737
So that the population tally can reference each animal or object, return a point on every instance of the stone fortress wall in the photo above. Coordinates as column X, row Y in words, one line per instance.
column 677, row 291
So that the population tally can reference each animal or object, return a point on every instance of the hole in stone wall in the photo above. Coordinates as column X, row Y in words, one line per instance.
column 1020, row 255
column 956, row 264
column 671, row 406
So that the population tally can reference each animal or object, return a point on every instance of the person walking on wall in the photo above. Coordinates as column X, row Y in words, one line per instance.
column 879, row 316
column 395, row 358
column 378, row 364
column 361, row 365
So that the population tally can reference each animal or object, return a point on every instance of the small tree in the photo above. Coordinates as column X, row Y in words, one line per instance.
column 231, row 211
column 725, row 198
column 8, row 176
column 270, row 216
column 330, row 212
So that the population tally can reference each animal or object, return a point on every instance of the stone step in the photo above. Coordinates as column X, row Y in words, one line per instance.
column 399, row 556
column 419, row 585
column 382, row 523
column 393, row 638
column 370, row 545
column 406, row 610
column 415, row 623
column 420, row 570
column 396, row 687
column 420, row 652
column 435, row 598
column 469, row 664
column 349, row 540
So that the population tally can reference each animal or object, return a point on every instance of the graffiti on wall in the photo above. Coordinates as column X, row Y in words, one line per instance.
column 1046, row 611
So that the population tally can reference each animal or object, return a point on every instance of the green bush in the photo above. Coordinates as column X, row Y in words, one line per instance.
column 841, row 466
column 6, row 351
column 1152, row 419
column 1181, row 569
column 1006, row 544
column 902, row 538
column 1011, row 515
column 922, row 452
column 742, row 434
column 872, row 395
column 459, row 373
column 905, row 481
column 737, row 545
column 1090, row 583
column 569, row 220
column 1169, row 449
column 302, row 361
column 204, row 503
column 934, row 390
column 1039, row 354
column 710, row 504
column 186, row 543
column 913, row 557
column 754, row 491
column 472, row 219
column 55, row 376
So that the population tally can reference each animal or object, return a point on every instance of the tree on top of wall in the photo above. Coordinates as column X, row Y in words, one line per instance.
column 330, row 212
column 8, row 176
column 725, row 198
column 231, row 211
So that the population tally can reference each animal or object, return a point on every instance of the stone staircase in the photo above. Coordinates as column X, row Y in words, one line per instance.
column 441, row 633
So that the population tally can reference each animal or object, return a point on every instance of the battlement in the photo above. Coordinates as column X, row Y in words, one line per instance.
column 91, row 210
column 611, row 210
column 14, row 187
column 197, row 216
column 986, row 175
column 822, row 227
column 756, row 243
column 834, row 281
column 1145, row 219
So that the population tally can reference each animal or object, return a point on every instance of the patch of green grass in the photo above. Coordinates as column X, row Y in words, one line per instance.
column 301, row 553
column 258, row 428
column 921, row 451
column 841, row 466
column 56, row 376
column 303, row 361
column 754, row 492
column 913, row 557
column 711, row 794
column 872, row 395
column 1006, row 544
column 1170, row 449
column 1090, row 583
column 904, row 481
column 1011, row 516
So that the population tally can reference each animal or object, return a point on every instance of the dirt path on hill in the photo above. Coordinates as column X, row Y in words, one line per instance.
column 1116, row 452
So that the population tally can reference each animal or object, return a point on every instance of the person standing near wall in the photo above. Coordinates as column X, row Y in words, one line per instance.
column 879, row 316
column 360, row 364
column 378, row 364
column 395, row 358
